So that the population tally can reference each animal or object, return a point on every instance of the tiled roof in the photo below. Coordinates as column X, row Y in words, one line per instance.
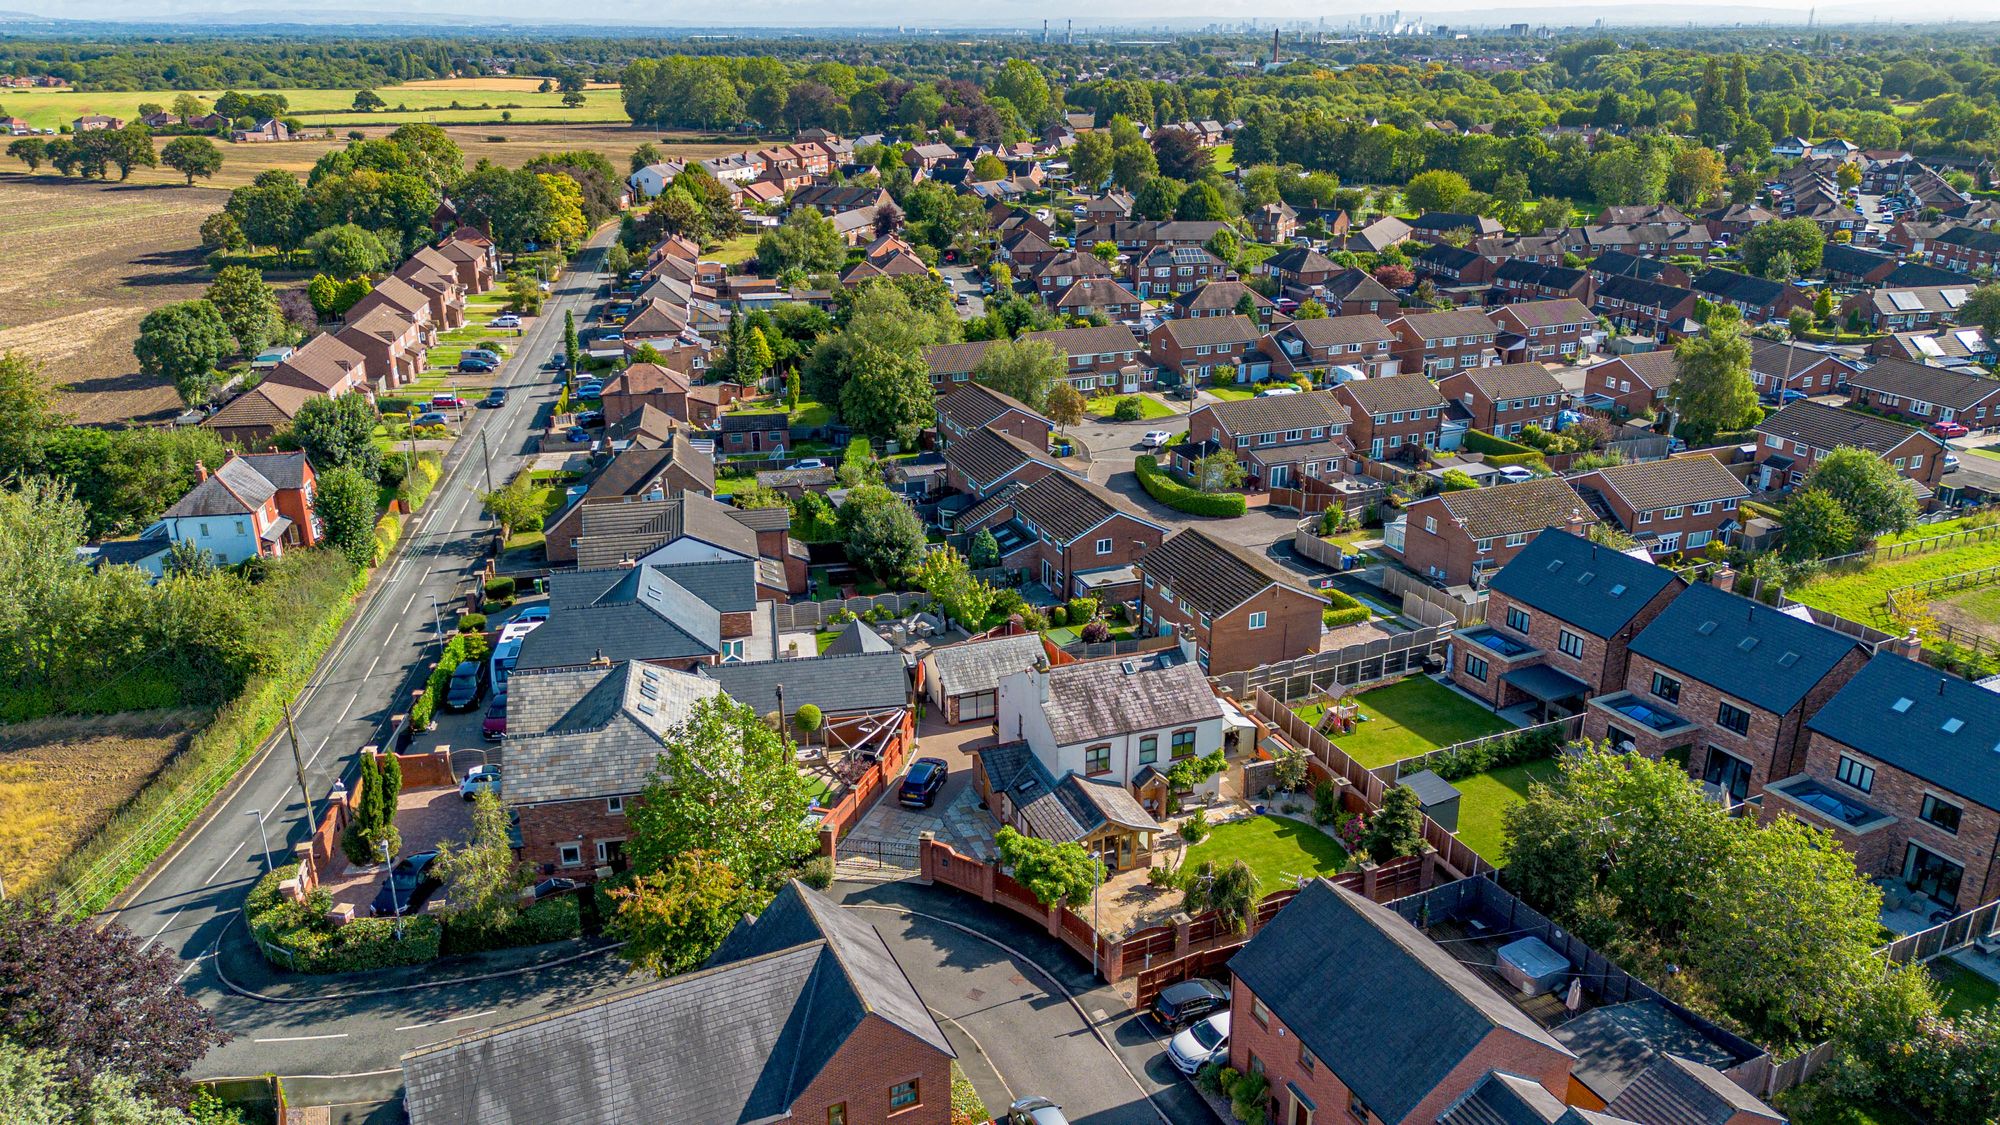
column 1616, row 1044
column 266, row 404
column 234, row 489
column 1672, row 483
column 971, row 406
column 1089, row 340
column 1093, row 699
column 1746, row 648
column 1357, row 285
column 1503, row 1099
column 647, row 378
column 1219, row 295
column 1906, row 300
column 976, row 666
column 1916, row 738
column 951, row 359
column 594, row 731
column 1067, row 507
column 1617, row 263
column 1512, row 380
column 1550, row 313
column 986, row 455
column 283, row 470
column 1537, row 273
column 836, row 683
column 1728, row 285
column 1655, row 369
column 1772, row 357
column 614, row 532
column 1955, row 389
column 1339, row 331
column 324, row 362
column 1211, row 574
column 1065, row 810
column 1299, row 260
column 1091, row 292
column 1830, row 427
column 1393, row 393
column 1447, row 257
column 1448, row 322
column 1508, row 509
column 639, row 613
column 1638, row 291
column 1265, row 414
column 1592, row 587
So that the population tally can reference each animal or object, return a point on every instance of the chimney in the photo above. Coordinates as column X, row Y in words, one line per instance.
column 1910, row 646
column 600, row 660
column 200, row 471
column 1723, row 578
column 628, row 562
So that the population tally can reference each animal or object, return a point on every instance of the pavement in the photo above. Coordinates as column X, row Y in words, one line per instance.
column 189, row 902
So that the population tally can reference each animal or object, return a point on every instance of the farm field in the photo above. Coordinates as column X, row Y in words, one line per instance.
column 61, row 779
column 1860, row 595
column 1974, row 611
column 411, row 101
column 80, row 265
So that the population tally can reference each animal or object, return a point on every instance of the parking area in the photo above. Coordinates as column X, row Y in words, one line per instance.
column 424, row 817
column 887, row 834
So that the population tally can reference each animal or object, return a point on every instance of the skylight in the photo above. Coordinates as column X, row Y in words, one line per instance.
column 1901, row 705
column 1951, row 726
column 1618, row 590
column 1705, row 628
column 1747, row 643
column 1787, row 660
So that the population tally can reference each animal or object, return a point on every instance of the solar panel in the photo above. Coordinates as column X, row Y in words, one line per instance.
column 1905, row 301
column 1929, row 346
column 1970, row 339
column 1952, row 297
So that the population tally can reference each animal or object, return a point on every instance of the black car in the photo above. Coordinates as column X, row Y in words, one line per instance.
column 475, row 366
column 408, row 886
column 590, row 418
column 920, row 786
column 495, row 397
column 466, row 680
column 1181, row 1004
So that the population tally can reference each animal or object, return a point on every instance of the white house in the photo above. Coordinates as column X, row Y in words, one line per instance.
column 1117, row 720
column 650, row 181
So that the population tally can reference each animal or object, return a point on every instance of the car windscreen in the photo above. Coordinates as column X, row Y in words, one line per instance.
column 1206, row 1035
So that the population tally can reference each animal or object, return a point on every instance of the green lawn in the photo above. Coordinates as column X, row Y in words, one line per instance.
column 1961, row 989
column 1277, row 849
column 730, row 483
column 1860, row 595
column 733, row 251
column 1149, row 407
column 1408, row 718
column 824, row 639
column 1225, row 158
column 1485, row 799
column 549, row 496
column 1231, row 394
column 46, row 109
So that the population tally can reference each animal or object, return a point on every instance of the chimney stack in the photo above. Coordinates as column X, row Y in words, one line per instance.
column 200, row 471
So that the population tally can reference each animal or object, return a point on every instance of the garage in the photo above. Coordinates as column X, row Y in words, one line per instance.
column 978, row 705
column 963, row 680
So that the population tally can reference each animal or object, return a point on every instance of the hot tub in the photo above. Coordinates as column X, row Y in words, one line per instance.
column 1532, row 966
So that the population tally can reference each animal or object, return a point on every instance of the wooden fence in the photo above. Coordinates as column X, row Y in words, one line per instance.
column 1566, row 729
column 1307, row 544
column 1885, row 552
column 814, row 615
column 1899, row 599
column 1425, row 602
column 1349, row 667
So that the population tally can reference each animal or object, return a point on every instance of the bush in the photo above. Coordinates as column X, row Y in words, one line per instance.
column 808, row 718
column 1096, row 633
column 1058, row 616
column 817, row 872
column 1531, row 459
column 472, row 623
column 557, row 918
column 1493, row 753
column 1082, row 609
column 499, row 589
column 1342, row 610
column 465, row 646
column 1195, row 828
column 298, row 936
column 1326, row 801
column 1179, row 496
column 1127, row 409
column 1479, row 441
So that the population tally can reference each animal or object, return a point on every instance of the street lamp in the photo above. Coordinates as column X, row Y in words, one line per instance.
column 395, row 903
column 264, row 835
column 437, row 627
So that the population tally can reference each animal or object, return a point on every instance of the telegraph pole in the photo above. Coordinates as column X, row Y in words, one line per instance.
column 299, row 763
column 486, row 458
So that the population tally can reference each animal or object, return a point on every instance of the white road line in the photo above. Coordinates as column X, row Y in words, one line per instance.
column 454, row 1019
column 162, row 929
column 302, row 1038
column 411, row 602
column 226, row 863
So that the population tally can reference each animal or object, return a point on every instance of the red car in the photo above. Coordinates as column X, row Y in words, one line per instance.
column 1948, row 429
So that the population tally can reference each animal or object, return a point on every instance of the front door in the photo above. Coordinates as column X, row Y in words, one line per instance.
column 1729, row 772
column 1932, row 874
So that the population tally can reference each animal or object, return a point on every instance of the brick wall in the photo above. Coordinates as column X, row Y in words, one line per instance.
column 546, row 827
column 1291, row 630
column 873, row 1059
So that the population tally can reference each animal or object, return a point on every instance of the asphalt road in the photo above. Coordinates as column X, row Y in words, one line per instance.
column 194, row 895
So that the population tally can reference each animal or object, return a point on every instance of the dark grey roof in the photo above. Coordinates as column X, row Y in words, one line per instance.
column 1917, row 273
column 855, row 637
column 1213, row 575
column 593, row 731
column 987, row 455
column 1955, row 389
column 1638, row 291
column 639, row 613
column 1503, row 1099
column 862, row 681
column 1067, row 507
column 1745, row 648
column 1842, row 257
column 1675, row 1091
column 1675, row 482
column 1529, row 272
column 283, row 470
column 1093, row 699
column 1594, row 588
column 1614, row 1045
column 1732, row 286
column 976, row 666
column 763, row 1019
column 1864, row 715
column 973, row 405
column 236, row 488
column 1329, row 331
column 1830, row 427
column 1064, row 810
column 1264, row 414
column 612, row 533
column 1388, row 1010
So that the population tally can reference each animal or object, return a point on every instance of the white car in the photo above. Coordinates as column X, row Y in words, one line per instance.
column 1155, row 439
column 1274, row 392
column 505, row 320
column 809, row 463
column 1514, row 474
column 480, row 779
column 1200, row 1043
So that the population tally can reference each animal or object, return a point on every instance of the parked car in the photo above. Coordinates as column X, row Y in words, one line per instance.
column 1949, row 429
column 532, row 613
column 1200, row 1043
column 481, row 353
column 472, row 366
column 505, row 320
column 495, row 397
column 809, row 463
column 1514, row 474
column 446, row 402
column 493, row 727
column 577, row 435
column 408, row 886
column 1181, row 1004
column 558, row 362
column 590, row 389
column 920, row 785
column 1034, row 1111
column 1950, row 462
column 1784, row 397
column 480, row 779
column 431, row 418
column 1155, row 439
column 462, row 694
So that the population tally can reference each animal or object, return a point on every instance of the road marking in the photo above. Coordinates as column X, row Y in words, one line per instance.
column 226, row 862
column 411, row 602
column 454, row 1019
column 302, row 1038
column 162, row 929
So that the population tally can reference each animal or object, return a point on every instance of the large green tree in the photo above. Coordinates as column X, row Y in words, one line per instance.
column 1877, row 498
column 345, row 503
column 1055, row 873
column 28, row 415
column 882, row 533
column 247, row 306
column 1025, row 369
column 338, row 431
column 183, row 342
column 1800, row 242
column 1713, row 393
column 482, row 879
column 1816, row 527
column 672, row 919
column 192, row 157
column 806, row 241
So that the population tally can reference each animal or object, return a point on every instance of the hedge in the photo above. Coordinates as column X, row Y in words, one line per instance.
column 388, row 530
column 1343, row 610
column 1178, row 496
column 552, row 919
column 1493, row 753
column 297, row 936
column 465, row 646
column 1479, row 441
column 1531, row 457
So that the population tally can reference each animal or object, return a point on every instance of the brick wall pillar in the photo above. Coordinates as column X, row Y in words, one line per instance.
column 1371, row 873
column 1429, row 876
column 926, row 857
column 1182, row 940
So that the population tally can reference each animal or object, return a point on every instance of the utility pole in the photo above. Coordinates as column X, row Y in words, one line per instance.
column 262, row 834
column 486, row 458
column 299, row 763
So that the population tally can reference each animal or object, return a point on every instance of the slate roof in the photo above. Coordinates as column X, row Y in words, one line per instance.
column 1685, row 1093
column 237, row 488
column 1615, row 1044
column 612, row 533
column 974, row 405
column 857, row 637
column 636, row 471
column 1503, row 1099
column 1903, row 300
column 639, row 612
column 1830, row 427
column 1441, row 256
column 1448, row 322
column 765, row 1017
column 1064, row 810
column 1549, row 313
column 1211, row 574
column 647, row 378
column 1258, row 415
column 1442, row 221
column 1617, row 263
column 833, row 682
column 1512, row 380
column 1529, row 272
column 976, row 666
column 1841, row 257
column 1093, row 699
column 1955, row 389
column 1863, row 716
column 592, row 731
column 1393, row 393
column 987, row 455
column 1067, row 507
column 1911, row 274
column 1507, row 509
column 1747, row 649
column 1742, row 287
column 1672, row 483
column 1770, row 357
column 1594, row 588
column 1390, row 1012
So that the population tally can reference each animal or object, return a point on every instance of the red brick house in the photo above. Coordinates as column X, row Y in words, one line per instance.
column 1195, row 347
column 1169, row 271
column 1637, row 305
column 1098, row 360
column 1559, row 619
column 1966, row 250
column 633, row 474
column 1506, row 399
column 1074, row 537
column 1278, row 438
column 1723, row 685
column 975, row 406
column 1907, row 308
column 1452, row 266
column 1233, row 607
column 1222, row 298
column 325, row 366
column 1792, row 440
column 255, row 505
column 1760, row 299
column 1300, row 267
column 390, row 344
column 1550, row 331
column 1391, row 415
column 1098, row 296
column 647, row 384
column 1680, row 504
column 1523, row 279
column 1437, row 343
column 1776, row 366
column 1054, row 277
column 1923, row 395
column 252, row 418
column 1899, row 766
column 1274, row 222
column 1731, row 223
column 983, row 461
column 1458, row 537
column 1631, row 384
column 1352, row 292
column 747, row 432
column 1320, row 345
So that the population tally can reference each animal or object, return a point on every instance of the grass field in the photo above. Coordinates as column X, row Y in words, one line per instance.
column 1410, row 717
column 1149, row 407
column 62, row 779
column 1278, row 850
column 1961, row 989
column 430, row 101
column 1230, row 394
column 1485, row 799
column 1976, row 611
column 1860, row 596
column 1225, row 158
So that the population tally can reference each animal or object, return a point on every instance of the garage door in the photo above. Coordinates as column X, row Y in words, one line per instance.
column 979, row 705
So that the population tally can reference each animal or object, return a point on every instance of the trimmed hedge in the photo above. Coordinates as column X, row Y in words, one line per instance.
column 297, row 936
column 552, row 919
column 1479, row 441
column 1180, row 497
column 1531, row 458
column 1343, row 610
column 1493, row 753
column 465, row 646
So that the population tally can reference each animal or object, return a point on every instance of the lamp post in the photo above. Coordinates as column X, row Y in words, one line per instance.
column 263, row 835
column 395, row 902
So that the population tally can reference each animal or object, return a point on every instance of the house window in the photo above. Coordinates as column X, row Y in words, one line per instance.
column 1704, row 508
column 1666, row 687
column 903, row 1095
column 1855, row 775
column 1431, row 524
column 1259, row 1012
column 1940, row 814
column 1675, row 513
column 1306, row 1060
column 615, row 806
column 1149, row 749
column 836, row 1114
column 1517, row 619
column 1475, row 667
column 732, row 651
column 570, row 855
column 1181, row 745
column 1518, row 539
column 1646, row 517
column 1485, row 546
column 1570, row 643
column 1257, row 619
column 1730, row 717
column 1104, row 546
column 1356, row 1108
column 1097, row 759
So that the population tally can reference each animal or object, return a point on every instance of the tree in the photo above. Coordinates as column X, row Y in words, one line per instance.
column 671, row 920
column 1133, row 163
column 984, row 550
column 1799, row 240
column 345, row 503
column 1713, row 393
column 104, row 1002
column 271, row 210
column 247, row 306
column 30, row 151
column 1157, row 198
column 1231, row 893
column 338, row 431
column 1201, row 203
column 1395, row 276
column 562, row 220
column 189, row 105
column 1397, row 828
column 945, row 576
column 1436, row 190
column 220, row 232
column 368, row 101
column 129, row 148
column 183, row 342
column 888, row 393
column 883, row 535
column 482, row 880
column 514, row 506
column 1980, row 310
column 1877, row 498
column 1817, row 527
column 1054, row 873
column 28, row 415
column 1694, row 175
column 1217, row 471
column 331, row 296
column 191, row 157
column 805, row 241
column 347, row 250
column 724, row 785
column 1090, row 159
column 33, row 1088
column 1025, row 369
column 988, row 167
column 1458, row 480
column 1181, row 155
column 1065, row 404
column 1310, row 310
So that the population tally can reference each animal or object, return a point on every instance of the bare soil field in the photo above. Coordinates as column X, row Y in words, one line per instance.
column 61, row 779
column 80, row 265
column 1975, row 611
column 519, row 84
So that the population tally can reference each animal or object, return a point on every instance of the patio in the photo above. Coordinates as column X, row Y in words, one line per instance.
column 424, row 817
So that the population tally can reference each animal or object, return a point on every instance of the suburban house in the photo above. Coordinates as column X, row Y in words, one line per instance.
column 690, row 527
column 1300, row 267
column 1274, row 222
column 985, row 460
column 1559, row 619
column 1222, row 298
column 1728, row 224
column 253, row 417
column 1193, row 348
column 1391, row 415
column 268, row 129
column 323, row 365
column 963, row 680
column 650, row 384
column 1098, row 296
column 1760, row 299
column 763, row 431
column 394, row 293
column 819, row 1021
column 1233, row 607
column 1900, row 766
column 1631, row 384
column 91, row 123
column 1617, row 263
column 975, row 406
column 1379, row 235
column 1524, row 279
column 1547, row 331
column 1637, row 305
column 1450, row 266
column 669, row 614
column 1073, row 536
column 1723, row 685
column 1459, row 537
column 1966, row 250
column 1845, row 263
column 1100, row 360
column 1440, row 227
column 1054, row 277
column 1506, row 399
column 1776, row 367
column 1325, row 345
column 1169, row 271
column 1907, row 308
column 1278, row 438
column 1680, row 504
column 391, row 344
column 1436, row 343
column 1352, row 292
column 1792, row 440
column 670, row 469
column 1924, row 395
column 1937, row 345
column 252, row 505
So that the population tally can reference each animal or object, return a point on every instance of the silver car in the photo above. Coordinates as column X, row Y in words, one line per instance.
column 1034, row 1111
column 1203, row 1041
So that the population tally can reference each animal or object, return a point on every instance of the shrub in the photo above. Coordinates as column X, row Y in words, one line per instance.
column 1326, row 801
column 817, row 872
column 472, row 623
column 1082, row 609
column 1247, row 1098
column 1127, row 409
column 1342, row 610
column 1479, row 441
column 298, row 936
column 1195, row 828
column 465, row 646
column 499, row 589
column 1096, row 632
column 1059, row 616
column 808, row 718
column 553, row 919
column 388, row 530
column 1179, row 496
column 1531, row 459
column 1165, row 875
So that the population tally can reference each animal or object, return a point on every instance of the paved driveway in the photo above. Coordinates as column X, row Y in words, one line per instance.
column 1114, row 446
column 887, row 833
